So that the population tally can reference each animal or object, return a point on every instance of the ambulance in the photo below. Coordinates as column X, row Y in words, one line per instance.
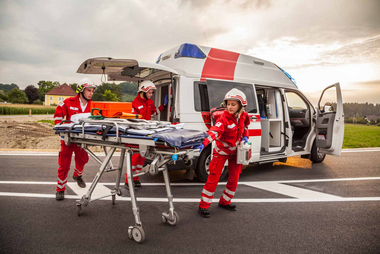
column 283, row 121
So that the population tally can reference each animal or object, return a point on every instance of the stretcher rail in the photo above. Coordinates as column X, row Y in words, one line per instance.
column 156, row 150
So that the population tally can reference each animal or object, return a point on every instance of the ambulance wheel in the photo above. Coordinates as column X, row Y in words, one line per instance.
column 113, row 199
column 79, row 210
column 138, row 234
column 316, row 156
column 204, row 160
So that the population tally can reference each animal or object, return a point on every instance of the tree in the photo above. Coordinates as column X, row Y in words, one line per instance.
column 3, row 96
column 32, row 93
column 46, row 86
column 129, row 87
column 74, row 86
column 99, row 94
column 109, row 96
column 8, row 87
column 17, row 96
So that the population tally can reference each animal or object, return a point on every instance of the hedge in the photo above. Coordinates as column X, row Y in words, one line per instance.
column 25, row 111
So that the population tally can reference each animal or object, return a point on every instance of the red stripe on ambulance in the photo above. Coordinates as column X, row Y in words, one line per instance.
column 254, row 133
column 215, row 68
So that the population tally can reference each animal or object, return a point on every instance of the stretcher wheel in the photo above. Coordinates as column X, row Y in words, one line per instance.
column 113, row 199
column 137, row 233
column 79, row 210
column 172, row 222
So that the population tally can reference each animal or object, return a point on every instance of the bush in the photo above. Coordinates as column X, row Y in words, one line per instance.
column 378, row 124
column 38, row 102
column 25, row 111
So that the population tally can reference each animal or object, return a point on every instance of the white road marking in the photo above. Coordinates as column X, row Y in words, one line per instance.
column 353, row 150
column 297, row 194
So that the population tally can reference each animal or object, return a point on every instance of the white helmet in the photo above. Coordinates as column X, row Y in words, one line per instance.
column 236, row 95
column 146, row 85
column 85, row 83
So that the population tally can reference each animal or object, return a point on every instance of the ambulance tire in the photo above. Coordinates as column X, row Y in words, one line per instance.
column 315, row 156
column 202, row 167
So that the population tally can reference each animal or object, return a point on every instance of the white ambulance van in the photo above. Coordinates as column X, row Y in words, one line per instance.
column 283, row 121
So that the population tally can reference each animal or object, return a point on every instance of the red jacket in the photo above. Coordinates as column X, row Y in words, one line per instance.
column 228, row 132
column 145, row 107
column 69, row 107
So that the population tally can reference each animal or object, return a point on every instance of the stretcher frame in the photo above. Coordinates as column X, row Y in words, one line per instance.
column 153, row 149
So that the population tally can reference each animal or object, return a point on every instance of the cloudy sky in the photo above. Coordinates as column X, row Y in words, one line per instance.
column 319, row 42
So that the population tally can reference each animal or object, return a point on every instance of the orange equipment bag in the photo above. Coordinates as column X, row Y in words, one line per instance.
column 110, row 108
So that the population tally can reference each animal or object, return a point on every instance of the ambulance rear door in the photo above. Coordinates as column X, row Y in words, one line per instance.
column 135, row 71
column 330, row 121
column 125, row 69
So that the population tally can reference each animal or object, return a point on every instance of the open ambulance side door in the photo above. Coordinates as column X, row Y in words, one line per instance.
column 330, row 121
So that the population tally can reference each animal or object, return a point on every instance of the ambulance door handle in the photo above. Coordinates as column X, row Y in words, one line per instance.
column 253, row 118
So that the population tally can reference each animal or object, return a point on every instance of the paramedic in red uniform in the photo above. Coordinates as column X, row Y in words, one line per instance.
column 67, row 108
column 143, row 105
column 230, row 129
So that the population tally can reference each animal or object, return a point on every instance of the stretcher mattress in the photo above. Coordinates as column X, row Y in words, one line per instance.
column 178, row 138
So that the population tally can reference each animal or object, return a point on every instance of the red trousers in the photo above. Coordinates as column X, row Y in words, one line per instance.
column 64, row 162
column 216, row 167
column 137, row 165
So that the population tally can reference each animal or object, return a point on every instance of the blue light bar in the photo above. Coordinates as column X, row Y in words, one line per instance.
column 189, row 50
column 159, row 59
column 288, row 75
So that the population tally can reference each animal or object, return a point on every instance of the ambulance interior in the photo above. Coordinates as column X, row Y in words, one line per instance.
column 274, row 137
column 272, row 120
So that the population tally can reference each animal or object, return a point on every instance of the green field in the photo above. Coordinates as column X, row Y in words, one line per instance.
column 359, row 135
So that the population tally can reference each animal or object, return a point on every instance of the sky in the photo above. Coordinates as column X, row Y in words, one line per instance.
column 319, row 42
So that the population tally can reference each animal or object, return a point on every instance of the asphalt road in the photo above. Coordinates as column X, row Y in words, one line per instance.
column 297, row 207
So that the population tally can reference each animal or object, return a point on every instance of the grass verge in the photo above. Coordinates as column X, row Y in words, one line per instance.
column 360, row 136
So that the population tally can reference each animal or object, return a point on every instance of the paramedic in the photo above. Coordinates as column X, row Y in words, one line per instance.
column 67, row 108
column 230, row 129
column 143, row 105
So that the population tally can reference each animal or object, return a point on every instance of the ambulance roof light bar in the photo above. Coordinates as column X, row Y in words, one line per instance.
column 288, row 75
column 189, row 50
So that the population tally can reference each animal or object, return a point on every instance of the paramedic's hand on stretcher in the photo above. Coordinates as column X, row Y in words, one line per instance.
column 200, row 147
column 245, row 139
column 166, row 100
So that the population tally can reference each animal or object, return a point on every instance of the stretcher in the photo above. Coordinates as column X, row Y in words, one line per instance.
column 158, row 141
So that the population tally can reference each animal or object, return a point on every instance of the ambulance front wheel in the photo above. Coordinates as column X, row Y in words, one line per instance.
column 204, row 160
column 316, row 156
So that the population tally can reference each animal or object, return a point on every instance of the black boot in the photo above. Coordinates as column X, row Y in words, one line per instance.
column 79, row 181
column 204, row 212
column 60, row 195
column 137, row 183
column 230, row 207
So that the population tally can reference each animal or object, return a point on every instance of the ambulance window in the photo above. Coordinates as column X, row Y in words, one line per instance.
column 295, row 101
column 217, row 89
column 201, row 101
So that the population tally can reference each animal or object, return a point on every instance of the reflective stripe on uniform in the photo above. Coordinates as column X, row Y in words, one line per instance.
column 58, row 118
column 207, row 200
column 139, row 166
column 220, row 151
column 206, row 192
column 232, row 193
column 61, row 181
column 61, row 186
column 78, row 172
column 227, row 198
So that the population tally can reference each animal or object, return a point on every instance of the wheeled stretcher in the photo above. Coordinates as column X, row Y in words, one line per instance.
column 163, row 145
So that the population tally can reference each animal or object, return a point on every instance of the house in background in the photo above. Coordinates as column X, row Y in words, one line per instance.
column 372, row 117
column 59, row 94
